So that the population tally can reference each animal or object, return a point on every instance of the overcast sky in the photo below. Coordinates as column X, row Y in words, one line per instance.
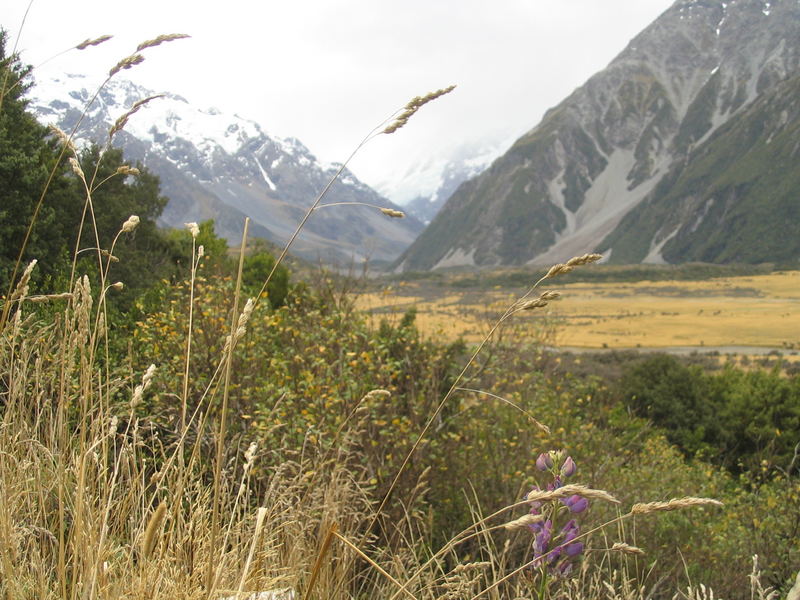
column 328, row 71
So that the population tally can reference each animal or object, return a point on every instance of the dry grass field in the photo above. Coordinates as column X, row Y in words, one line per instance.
column 725, row 312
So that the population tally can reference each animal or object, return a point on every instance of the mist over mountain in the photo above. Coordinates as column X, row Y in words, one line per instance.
column 436, row 180
column 219, row 166
column 683, row 148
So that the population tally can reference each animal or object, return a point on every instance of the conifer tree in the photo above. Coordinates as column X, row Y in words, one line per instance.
column 27, row 157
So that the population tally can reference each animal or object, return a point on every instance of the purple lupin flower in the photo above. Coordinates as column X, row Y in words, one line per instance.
column 542, row 539
column 544, row 462
column 555, row 547
column 576, row 504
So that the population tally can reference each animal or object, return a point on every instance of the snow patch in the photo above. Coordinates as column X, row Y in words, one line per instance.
column 654, row 256
column 604, row 205
column 269, row 181
column 555, row 187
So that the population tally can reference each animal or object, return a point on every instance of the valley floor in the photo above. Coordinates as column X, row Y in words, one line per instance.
column 724, row 314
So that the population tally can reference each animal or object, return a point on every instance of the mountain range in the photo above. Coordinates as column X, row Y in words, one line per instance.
column 685, row 148
column 218, row 166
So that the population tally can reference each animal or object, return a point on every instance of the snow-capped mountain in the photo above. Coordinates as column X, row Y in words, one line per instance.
column 683, row 148
column 436, row 180
column 219, row 166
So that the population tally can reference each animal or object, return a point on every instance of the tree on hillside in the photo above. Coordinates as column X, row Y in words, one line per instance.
column 27, row 157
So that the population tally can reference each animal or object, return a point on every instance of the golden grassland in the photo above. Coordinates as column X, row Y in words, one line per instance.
column 758, row 310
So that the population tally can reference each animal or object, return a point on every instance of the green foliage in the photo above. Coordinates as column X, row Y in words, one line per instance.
column 302, row 373
column 257, row 267
column 736, row 418
column 32, row 167
column 144, row 255
column 27, row 158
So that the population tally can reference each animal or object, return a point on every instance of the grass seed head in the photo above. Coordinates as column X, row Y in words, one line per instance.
column 126, row 63
column 626, row 548
column 586, row 259
column 674, row 504
column 167, row 37
column 93, row 42
column 130, row 224
column 21, row 291
column 64, row 138
column 76, row 168
column 390, row 212
column 558, row 269
column 153, row 528
column 120, row 123
column 543, row 300
column 413, row 106
column 523, row 522
column 128, row 170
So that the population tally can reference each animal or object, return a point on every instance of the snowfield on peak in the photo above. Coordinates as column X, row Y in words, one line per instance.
column 221, row 166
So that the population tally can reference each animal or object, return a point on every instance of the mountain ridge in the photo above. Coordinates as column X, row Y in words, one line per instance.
column 223, row 167
column 566, row 185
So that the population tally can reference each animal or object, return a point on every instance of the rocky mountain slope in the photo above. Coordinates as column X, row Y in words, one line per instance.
column 223, row 167
column 656, row 158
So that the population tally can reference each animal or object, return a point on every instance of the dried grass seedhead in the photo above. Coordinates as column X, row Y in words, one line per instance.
column 105, row 253
column 120, row 123
column 249, row 455
column 193, row 228
column 139, row 390
column 128, row 170
column 126, row 63
column 93, row 42
column 390, row 212
column 49, row 297
column 130, row 224
column 624, row 548
column 167, row 37
column 523, row 522
column 586, row 259
column 21, row 291
column 674, row 504
column 153, row 528
column 758, row 591
column 76, row 168
column 376, row 395
column 543, row 300
column 569, row 490
column 64, row 138
column 577, row 261
column 413, row 106
column 241, row 324
column 463, row 580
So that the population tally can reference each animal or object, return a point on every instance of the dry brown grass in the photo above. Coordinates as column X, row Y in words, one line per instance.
column 733, row 311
